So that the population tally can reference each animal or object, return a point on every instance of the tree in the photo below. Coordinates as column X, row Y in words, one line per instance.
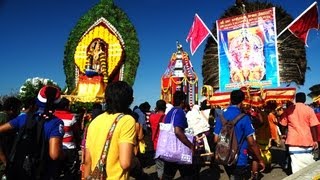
column 32, row 86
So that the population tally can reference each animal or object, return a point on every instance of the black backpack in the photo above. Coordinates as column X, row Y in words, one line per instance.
column 227, row 148
column 27, row 159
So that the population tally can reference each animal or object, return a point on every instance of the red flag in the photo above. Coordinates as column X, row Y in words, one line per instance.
column 197, row 34
column 301, row 25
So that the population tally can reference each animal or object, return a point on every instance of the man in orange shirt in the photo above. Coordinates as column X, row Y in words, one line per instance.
column 302, row 132
column 318, row 128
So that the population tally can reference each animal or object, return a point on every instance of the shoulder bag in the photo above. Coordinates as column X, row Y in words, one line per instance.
column 100, row 171
column 169, row 147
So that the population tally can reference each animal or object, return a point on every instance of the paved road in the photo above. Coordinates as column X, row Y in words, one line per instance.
column 311, row 172
column 276, row 173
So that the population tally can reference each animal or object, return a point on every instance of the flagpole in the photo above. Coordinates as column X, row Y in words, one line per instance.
column 208, row 29
column 314, row 3
column 213, row 37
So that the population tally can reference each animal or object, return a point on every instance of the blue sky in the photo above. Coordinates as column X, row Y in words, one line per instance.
column 33, row 35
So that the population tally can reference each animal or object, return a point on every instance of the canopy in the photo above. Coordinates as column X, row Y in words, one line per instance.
column 254, row 97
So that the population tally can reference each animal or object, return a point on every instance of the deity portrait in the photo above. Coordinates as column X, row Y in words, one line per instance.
column 245, row 53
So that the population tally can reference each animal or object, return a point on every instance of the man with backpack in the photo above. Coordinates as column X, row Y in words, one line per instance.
column 234, row 134
column 37, row 146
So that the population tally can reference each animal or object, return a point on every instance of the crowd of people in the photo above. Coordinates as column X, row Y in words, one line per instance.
column 114, row 141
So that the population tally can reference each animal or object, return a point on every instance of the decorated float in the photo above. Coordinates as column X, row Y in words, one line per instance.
column 102, row 48
column 253, row 56
column 180, row 75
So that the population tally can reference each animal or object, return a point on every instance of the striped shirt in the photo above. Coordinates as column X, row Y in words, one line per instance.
column 69, row 121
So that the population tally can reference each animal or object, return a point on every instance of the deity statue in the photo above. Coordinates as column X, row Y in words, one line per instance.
column 96, row 60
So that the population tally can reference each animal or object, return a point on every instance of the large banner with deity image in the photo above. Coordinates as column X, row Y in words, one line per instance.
column 248, row 50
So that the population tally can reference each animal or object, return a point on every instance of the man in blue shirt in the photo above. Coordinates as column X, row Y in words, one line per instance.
column 243, row 128
column 141, row 118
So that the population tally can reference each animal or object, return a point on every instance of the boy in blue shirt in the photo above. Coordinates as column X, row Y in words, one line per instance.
column 243, row 128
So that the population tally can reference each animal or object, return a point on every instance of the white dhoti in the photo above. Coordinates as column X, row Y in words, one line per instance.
column 300, row 157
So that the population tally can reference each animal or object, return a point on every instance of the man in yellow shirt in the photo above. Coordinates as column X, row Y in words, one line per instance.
column 119, row 96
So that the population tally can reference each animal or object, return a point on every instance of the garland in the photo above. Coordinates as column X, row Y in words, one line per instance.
column 120, row 21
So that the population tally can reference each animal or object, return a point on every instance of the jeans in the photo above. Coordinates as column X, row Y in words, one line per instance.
column 187, row 172
column 70, row 165
column 238, row 172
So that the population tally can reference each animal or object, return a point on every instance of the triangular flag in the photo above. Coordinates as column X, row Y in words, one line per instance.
column 197, row 34
column 302, row 24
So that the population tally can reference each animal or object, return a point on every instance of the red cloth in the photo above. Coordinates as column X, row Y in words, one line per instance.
column 155, row 119
column 308, row 20
column 197, row 34
column 90, row 80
